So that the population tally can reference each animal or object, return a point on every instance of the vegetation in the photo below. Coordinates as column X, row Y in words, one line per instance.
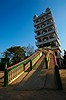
column 15, row 53
column 2, row 66
column 29, row 50
column 64, row 60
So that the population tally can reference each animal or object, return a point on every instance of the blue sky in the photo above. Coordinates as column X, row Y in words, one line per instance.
column 16, row 21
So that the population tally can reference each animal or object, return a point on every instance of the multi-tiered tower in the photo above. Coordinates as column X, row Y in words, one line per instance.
column 45, row 32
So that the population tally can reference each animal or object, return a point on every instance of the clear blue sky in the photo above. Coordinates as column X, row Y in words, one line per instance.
column 16, row 21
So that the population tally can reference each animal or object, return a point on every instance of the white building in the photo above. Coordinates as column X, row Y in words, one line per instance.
column 45, row 32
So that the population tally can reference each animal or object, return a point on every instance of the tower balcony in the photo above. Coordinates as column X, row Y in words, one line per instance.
column 50, row 17
column 41, row 28
column 45, row 34
column 57, row 48
column 46, row 41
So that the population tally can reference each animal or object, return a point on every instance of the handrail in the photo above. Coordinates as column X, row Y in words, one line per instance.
column 20, row 62
column 13, row 72
column 48, row 57
column 55, row 60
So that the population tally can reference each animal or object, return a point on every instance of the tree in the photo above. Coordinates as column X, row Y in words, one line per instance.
column 29, row 50
column 64, row 61
column 15, row 53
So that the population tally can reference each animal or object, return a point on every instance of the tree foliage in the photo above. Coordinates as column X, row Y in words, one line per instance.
column 15, row 53
column 29, row 50
column 64, row 61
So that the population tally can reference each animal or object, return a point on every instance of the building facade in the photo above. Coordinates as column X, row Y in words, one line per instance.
column 45, row 32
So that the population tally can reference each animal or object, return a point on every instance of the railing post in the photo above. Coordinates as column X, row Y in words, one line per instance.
column 30, row 64
column 5, row 76
column 46, row 63
column 23, row 67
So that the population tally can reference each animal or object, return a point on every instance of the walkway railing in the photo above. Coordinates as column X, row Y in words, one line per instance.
column 48, row 58
column 13, row 72
column 57, row 75
column 56, row 69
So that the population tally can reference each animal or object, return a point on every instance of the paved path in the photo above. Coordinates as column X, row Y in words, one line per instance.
column 50, row 80
column 43, row 94
column 35, row 79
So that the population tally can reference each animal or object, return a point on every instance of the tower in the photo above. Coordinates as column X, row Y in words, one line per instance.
column 45, row 32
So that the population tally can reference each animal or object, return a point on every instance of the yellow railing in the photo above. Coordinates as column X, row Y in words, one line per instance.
column 13, row 72
column 48, row 57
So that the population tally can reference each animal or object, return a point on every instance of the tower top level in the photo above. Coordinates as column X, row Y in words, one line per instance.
column 42, row 14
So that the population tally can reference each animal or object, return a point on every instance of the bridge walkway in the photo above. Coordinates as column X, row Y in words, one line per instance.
column 51, row 79
column 23, row 75
column 30, row 80
column 38, row 78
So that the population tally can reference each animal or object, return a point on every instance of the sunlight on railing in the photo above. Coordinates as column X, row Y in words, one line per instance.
column 13, row 72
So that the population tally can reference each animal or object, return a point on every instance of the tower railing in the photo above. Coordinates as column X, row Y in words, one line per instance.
column 56, row 69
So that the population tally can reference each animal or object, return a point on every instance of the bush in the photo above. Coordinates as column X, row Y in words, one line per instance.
column 2, row 66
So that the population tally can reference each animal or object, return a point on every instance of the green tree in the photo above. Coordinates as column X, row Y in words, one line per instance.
column 64, row 60
column 29, row 50
column 15, row 53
